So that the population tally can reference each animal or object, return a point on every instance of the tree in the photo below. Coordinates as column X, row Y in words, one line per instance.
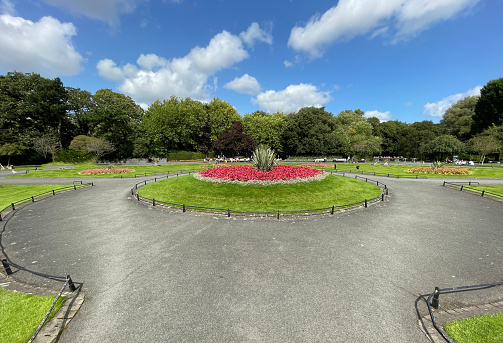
column 31, row 106
column 416, row 137
column 91, row 145
column 175, row 124
column 11, row 149
column 391, row 132
column 233, row 142
column 353, row 134
column 47, row 145
column 118, row 119
column 443, row 145
column 309, row 132
column 458, row 118
column 265, row 128
column 221, row 116
column 489, row 108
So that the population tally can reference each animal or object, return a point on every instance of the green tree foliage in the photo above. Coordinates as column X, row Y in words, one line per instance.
column 221, row 116
column 266, row 128
column 443, row 145
column 488, row 142
column 175, row 124
column 118, row 119
column 81, row 107
column 489, row 108
column 30, row 106
column 310, row 131
column 390, row 132
column 458, row 118
column 233, row 142
column 416, row 136
column 353, row 134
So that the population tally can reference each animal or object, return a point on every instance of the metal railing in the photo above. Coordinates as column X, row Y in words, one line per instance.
column 434, row 301
column 463, row 187
column 12, row 206
column 397, row 176
column 276, row 213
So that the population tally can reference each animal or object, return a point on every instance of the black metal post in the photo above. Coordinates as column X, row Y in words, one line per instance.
column 153, row 202
column 365, row 203
column 461, row 188
column 70, row 283
column 6, row 267
column 333, row 210
column 184, row 208
column 482, row 193
column 434, row 300
column 228, row 212
column 13, row 207
column 278, row 214
column 32, row 199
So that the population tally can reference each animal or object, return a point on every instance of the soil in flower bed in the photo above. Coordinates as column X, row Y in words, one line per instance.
column 334, row 190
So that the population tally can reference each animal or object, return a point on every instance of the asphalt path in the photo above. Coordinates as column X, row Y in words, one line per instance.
column 157, row 275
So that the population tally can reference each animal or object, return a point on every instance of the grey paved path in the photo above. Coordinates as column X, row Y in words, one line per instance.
column 152, row 275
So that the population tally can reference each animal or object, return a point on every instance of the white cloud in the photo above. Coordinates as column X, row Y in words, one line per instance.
column 245, row 84
column 437, row 109
column 7, row 7
column 255, row 33
column 287, row 64
column 43, row 47
column 351, row 18
column 291, row 99
column 382, row 116
column 108, row 11
column 155, row 77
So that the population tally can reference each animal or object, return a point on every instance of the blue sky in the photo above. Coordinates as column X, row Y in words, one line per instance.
column 406, row 60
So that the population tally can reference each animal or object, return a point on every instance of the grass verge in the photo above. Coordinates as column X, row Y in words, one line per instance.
column 22, row 314
column 334, row 190
column 496, row 191
column 482, row 329
column 13, row 193
column 138, row 170
column 399, row 169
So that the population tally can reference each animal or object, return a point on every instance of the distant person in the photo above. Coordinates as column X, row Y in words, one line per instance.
column 335, row 166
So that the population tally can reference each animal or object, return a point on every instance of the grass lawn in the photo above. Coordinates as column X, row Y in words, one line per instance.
column 13, row 193
column 394, row 169
column 334, row 190
column 498, row 190
column 399, row 169
column 22, row 314
column 138, row 170
column 482, row 329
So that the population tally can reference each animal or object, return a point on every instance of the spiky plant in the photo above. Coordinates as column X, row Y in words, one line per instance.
column 437, row 165
column 263, row 158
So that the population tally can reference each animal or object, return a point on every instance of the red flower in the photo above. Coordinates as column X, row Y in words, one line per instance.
column 247, row 173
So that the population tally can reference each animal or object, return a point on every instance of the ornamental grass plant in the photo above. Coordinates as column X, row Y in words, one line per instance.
column 263, row 158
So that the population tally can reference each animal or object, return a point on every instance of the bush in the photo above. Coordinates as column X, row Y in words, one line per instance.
column 72, row 156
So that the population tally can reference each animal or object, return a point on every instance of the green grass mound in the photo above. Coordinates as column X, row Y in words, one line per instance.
column 334, row 190
column 21, row 314
column 482, row 329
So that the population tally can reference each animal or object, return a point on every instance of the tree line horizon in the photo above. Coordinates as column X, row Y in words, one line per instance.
column 41, row 120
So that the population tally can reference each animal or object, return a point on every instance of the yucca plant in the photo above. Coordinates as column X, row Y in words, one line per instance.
column 437, row 165
column 263, row 158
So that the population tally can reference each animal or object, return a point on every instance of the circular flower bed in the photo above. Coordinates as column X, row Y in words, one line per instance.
column 105, row 171
column 443, row 171
column 248, row 175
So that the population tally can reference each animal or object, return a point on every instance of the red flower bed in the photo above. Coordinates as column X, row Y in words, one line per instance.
column 249, row 173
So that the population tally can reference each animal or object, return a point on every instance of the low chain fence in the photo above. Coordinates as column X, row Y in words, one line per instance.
column 277, row 213
column 13, row 206
column 433, row 301
column 397, row 176
column 465, row 186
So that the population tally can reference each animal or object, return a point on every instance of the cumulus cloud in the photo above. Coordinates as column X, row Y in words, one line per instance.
column 255, row 33
column 401, row 19
column 287, row 64
column 437, row 109
column 245, row 84
column 154, row 77
column 108, row 11
column 382, row 116
column 291, row 99
column 43, row 47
